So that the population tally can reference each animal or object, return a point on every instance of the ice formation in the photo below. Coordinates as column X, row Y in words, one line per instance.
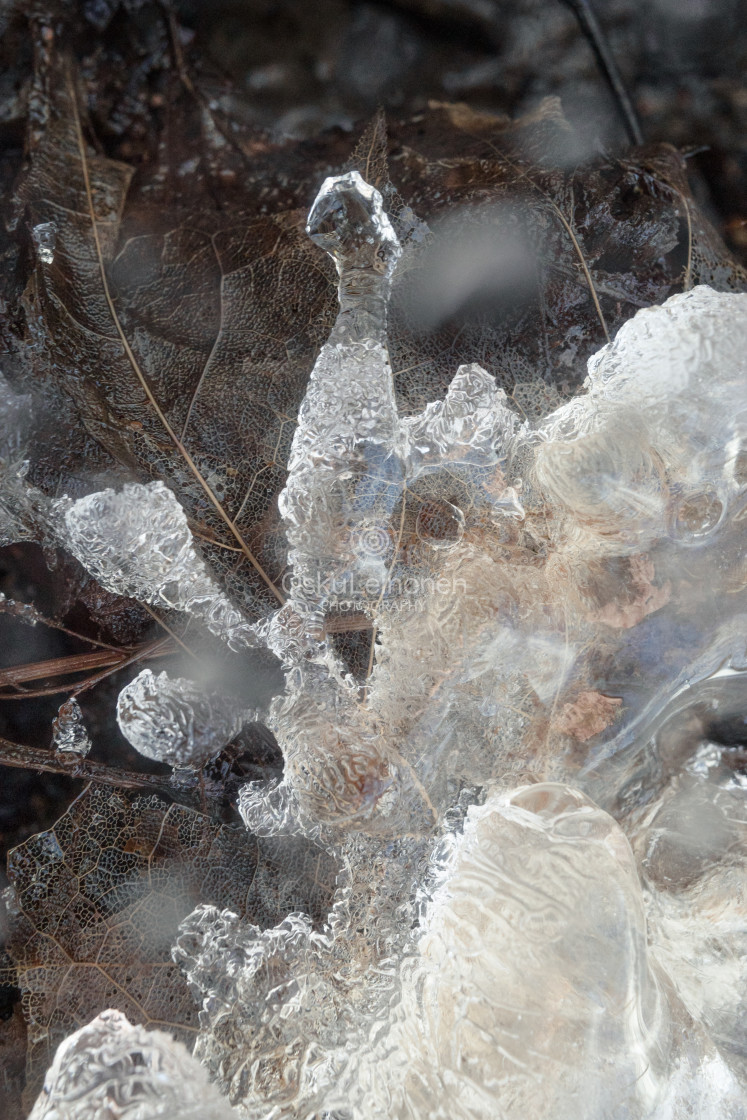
column 44, row 236
column 111, row 1068
column 173, row 720
column 20, row 504
column 69, row 732
column 137, row 542
column 532, row 991
column 541, row 908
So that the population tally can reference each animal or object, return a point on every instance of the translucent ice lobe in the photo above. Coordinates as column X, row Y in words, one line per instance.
column 695, row 343
column 691, row 843
column 137, row 542
column 174, row 721
column 111, row 1068
column 655, row 446
column 532, row 993
column 69, row 731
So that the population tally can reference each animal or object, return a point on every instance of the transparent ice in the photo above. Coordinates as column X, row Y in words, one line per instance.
column 137, row 542
column 173, row 720
column 45, row 238
column 112, row 1068
column 541, row 904
column 69, row 732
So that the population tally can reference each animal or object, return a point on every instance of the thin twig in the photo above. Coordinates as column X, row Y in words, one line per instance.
column 21, row 757
column 75, row 663
column 592, row 32
column 131, row 660
column 59, row 666
column 171, row 633
column 28, row 613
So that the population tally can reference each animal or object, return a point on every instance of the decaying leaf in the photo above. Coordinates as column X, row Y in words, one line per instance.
column 182, row 309
column 100, row 896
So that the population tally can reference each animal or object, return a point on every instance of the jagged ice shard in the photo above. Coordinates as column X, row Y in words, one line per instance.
column 538, row 816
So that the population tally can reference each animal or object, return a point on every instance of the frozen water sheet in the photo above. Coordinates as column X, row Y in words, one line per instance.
column 540, row 905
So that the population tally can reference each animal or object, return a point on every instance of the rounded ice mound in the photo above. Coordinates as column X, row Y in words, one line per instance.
column 684, row 366
column 533, row 993
column 112, row 1068
column 695, row 342
column 656, row 447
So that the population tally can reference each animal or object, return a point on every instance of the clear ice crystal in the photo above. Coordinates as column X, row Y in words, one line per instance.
column 173, row 720
column 15, row 414
column 45, row 238
column 69, row 732
column 540, row 907
column 112, row 1068
column 137, row 542
column 495, row 560
column 22, row 508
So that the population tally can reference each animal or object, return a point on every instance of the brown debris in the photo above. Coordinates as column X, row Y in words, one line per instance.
column 588, row 715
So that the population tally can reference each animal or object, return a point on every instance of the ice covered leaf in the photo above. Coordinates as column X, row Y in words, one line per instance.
column 224, row 316
column 69, row 731
column 100, row 896
column 112, row 1067
column 173, row 720
column 137, row 542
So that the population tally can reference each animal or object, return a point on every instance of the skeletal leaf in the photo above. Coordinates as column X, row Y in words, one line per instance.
column 99, row 897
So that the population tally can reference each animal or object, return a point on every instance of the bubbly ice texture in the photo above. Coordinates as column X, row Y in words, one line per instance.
column 22, row 508
column 540, row 904
column 137, row 542
column 506, row 568
column 656, row 446
column 69, row 730
column 173, row 720
column 112, row 1068
column 15, row 413
column 343, row 508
